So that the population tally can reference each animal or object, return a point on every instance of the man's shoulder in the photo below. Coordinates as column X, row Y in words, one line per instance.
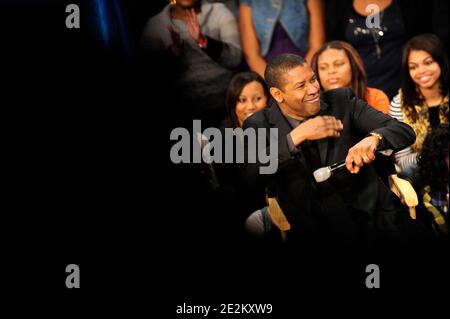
column 260, row 118
column 339, row 94
column 339, row 100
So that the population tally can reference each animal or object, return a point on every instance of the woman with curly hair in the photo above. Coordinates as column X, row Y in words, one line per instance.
column 423, row 98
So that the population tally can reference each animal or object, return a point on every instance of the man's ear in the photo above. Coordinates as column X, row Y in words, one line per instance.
column 276, row 94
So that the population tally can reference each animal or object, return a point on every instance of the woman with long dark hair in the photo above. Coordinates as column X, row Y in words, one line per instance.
column 247, row 93
column 423, row 98
column 337, row 64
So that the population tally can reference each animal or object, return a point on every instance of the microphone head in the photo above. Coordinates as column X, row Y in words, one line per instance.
column 322, row 174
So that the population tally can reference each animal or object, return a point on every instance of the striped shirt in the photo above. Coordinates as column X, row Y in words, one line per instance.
column 406, row 159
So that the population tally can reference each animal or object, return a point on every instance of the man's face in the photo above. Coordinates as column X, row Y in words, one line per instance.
column 299, row 97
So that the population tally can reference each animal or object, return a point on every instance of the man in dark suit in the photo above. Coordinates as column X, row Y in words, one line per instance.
column 317, row 130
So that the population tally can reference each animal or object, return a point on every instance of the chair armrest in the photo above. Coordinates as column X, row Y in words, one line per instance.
column 277, row 215
column 404, row 190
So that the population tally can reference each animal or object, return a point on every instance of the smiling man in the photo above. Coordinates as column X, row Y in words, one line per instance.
column 317, row 130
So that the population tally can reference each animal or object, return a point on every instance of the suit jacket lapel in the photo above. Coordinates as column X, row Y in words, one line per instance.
column 276, row 119
column 322, row 144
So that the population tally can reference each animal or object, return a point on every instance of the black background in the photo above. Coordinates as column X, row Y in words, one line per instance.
column 90, row 182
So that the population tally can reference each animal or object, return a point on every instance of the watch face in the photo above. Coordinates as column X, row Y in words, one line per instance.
column 377, row 135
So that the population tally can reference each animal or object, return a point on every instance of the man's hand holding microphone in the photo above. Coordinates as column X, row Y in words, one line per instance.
column 321, row 127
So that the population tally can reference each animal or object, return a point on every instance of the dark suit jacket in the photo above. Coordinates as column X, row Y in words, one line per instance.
column 347, row 203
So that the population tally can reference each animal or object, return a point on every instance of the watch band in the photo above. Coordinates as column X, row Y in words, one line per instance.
column 378, row 136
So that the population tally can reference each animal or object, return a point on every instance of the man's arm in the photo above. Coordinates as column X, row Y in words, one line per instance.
column 384, row 132
column 395, row 135
column 316, row 128
column 313, row 129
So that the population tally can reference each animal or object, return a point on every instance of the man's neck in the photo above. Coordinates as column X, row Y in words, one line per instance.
column 291, row 114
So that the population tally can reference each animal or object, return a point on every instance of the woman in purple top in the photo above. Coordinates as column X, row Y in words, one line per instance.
column 272, row 27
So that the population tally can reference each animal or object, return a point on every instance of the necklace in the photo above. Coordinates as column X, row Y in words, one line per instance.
column 377, row 33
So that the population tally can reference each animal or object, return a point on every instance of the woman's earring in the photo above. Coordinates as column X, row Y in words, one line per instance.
column 173, row 2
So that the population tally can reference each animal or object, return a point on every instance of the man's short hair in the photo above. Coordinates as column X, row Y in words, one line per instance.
column 279, row 65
